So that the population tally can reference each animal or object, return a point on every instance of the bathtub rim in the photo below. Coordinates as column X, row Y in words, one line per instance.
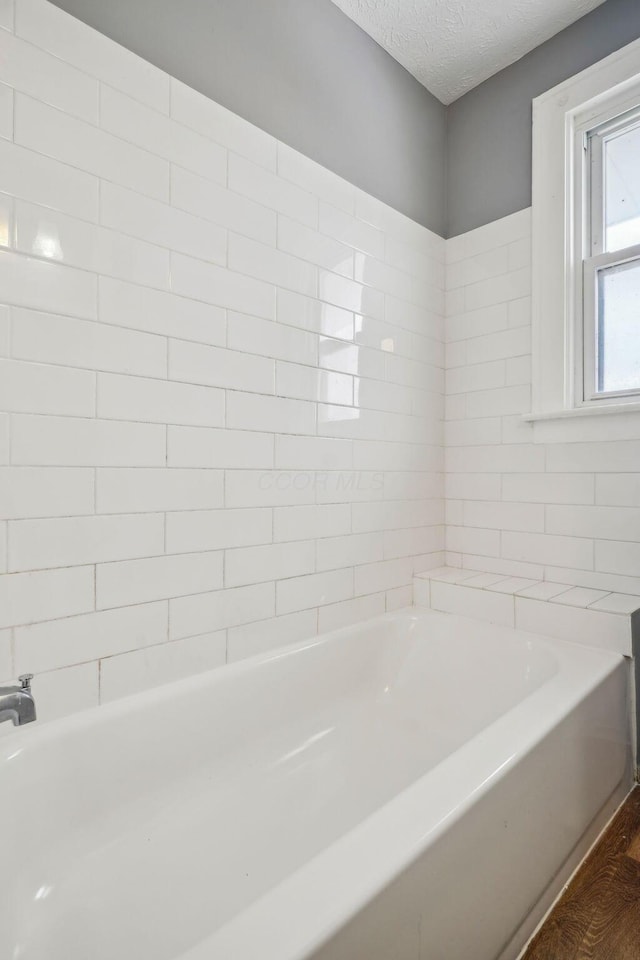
column 29, row 737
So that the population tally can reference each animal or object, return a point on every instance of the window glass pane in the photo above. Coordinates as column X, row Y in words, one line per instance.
column 618, row 365
column 622, row 190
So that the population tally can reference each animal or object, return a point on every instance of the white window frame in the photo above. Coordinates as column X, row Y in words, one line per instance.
column 589, row 233
column 560, row 234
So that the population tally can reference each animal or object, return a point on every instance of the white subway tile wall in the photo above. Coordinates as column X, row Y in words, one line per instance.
column 221, row 384
column 566, row 510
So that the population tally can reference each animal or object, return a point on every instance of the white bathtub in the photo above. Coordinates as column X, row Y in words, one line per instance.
column 407, row 788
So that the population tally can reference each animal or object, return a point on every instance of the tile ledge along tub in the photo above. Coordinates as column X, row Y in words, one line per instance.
column 405, row 788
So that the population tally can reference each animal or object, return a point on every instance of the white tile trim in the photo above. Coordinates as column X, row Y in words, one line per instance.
column 590, row 617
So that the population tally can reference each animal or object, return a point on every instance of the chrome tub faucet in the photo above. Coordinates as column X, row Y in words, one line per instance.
column 17, row 703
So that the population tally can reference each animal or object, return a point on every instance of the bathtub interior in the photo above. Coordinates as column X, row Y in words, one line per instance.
column 151, row 804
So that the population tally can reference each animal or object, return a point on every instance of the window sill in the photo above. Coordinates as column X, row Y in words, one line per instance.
column 596, row 411
column 610, row 422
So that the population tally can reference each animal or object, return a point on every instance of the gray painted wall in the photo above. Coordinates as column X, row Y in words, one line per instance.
column 304, row 72
column 489, row 129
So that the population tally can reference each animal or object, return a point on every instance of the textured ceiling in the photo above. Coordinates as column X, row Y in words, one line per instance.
column 451, row 46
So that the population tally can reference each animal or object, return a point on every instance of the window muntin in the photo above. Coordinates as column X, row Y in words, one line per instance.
column 611, row 289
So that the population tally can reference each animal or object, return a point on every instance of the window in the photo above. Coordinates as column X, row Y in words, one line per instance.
column 611, row 262
column 586, row 242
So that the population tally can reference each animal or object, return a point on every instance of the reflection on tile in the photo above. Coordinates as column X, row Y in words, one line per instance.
column 312, row 315
column 46, row 242
column 307, row 383
column 6, row 220
column 333, row 414
column 47, row 286
column 351, row 296
column 338, row 355
column 45, row 233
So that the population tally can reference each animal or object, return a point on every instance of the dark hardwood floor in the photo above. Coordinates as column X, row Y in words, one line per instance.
column 598, row 916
